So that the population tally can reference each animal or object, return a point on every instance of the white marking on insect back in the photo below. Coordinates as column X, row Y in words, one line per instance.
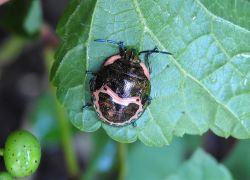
column 145, row 70
column 122, row 101
column 112, row 59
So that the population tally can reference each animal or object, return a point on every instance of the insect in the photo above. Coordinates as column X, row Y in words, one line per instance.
column 121, row 88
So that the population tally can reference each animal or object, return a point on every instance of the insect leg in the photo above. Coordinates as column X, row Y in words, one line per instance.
column 155, row 50
column 149, row 100
column 121, row 45
column 148, row 53
column 134, row 124
column 148, row 62
column 91, row 73
column 87, row 105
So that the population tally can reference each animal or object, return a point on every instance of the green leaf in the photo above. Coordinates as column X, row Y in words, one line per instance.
column 22, row 17
column 204, row 85
column 149, row 163
column 5, row 176
column 43, row 120
column 236, row 11
column 239, row 160
column 33, row 20
column 201, row 166
column 102, row 158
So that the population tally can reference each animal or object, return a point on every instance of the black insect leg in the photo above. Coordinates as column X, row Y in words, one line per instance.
column 148, row 53
column 148, row 62
column 134, row 124
column 121, row 45
column 149, row 100
column 91, row 73
column 87, row 105
column 155, row 50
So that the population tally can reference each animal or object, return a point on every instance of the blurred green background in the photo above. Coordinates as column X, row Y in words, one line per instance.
column 27, row 101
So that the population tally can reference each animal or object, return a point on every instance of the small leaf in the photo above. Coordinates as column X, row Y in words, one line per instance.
column 201, row 166
column 160, row 162
column 103, row 157
column 22, row 17
column 239, row 160
column 33, row 20
column 204, row 85
column 43, row 118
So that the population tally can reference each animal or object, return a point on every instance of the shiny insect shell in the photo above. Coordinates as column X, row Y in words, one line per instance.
column 121, row 89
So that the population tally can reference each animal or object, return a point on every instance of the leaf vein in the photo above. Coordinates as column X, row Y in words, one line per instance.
column 214, row 16
column 176, row 62
column 156, row 122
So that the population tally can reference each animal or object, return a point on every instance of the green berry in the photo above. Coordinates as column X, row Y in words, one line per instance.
column 22, row 154
column 5, row 176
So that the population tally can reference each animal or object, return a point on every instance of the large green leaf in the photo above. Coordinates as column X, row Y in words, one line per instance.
column 204, row 85
column 201, row 166
column 236, row 11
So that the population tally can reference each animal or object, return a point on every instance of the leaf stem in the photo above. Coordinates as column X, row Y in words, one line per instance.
column 1, row 151
column 122, row 153
column 64, row 126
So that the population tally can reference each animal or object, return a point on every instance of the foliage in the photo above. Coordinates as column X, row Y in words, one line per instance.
column 201, row 166
column 204, row 85
column 5, row 176
column 157, row 163
column 22, row 17
column 238, row 162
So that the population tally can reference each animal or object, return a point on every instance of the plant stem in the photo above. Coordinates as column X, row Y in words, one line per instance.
column 12, row 48
column 1, row 151
column 122, row 153
column 64, row 126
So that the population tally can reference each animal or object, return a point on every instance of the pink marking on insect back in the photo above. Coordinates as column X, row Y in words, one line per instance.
column 112, row 59
column 96, row 105
column 122, row 101
column 145, row 70
column 118, row 100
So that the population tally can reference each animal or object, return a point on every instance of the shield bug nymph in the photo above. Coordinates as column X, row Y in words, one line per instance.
column 120, row 90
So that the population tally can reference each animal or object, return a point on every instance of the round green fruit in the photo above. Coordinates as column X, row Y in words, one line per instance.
column 22, row 154
column 5, row 176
